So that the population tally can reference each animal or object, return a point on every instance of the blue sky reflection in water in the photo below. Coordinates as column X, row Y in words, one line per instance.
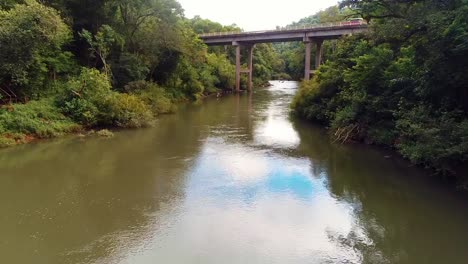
column 249, row 203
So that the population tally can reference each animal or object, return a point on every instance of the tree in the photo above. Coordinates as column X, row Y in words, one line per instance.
column 31, row 41
column 102, row 43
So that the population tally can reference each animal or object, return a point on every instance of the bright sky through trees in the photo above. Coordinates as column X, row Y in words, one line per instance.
column 254, row 14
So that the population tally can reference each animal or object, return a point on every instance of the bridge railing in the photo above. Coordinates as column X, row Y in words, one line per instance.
column 304, row 27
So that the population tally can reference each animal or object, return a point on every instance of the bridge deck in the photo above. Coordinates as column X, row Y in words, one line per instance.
column 316, row 34
column 321, row 31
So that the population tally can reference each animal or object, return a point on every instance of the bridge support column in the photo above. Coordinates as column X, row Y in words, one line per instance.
column 239, row 71
column 250, row 65
column 308, row 47
column 318, row 54
column 238, row 67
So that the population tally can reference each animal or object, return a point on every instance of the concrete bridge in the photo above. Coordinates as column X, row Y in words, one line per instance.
column 310, row 34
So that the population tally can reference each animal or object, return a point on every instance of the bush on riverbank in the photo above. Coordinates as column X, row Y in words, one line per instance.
column 86, row 101
column 89, row 101
column 153, row 95
column 37, row 119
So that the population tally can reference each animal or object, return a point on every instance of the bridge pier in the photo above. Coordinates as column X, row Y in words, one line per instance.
column 249, row 71
column 250, row 65
column 308, row 47
column 238, row 67
column 308, row 52
column 318, row 53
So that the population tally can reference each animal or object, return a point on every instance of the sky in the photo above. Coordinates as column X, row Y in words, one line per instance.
column 254, row 14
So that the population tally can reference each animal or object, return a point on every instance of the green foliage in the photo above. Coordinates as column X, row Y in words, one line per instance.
column 403, row 85
column 147, row 40
column 6, row 142
column 105, row 133
column 40, row 119
column 307, row 102
column 102, row 43
column 153, row 95
column 433, row 139
column 31, row 40
column 7, row 4
column 90, row 101
column 201, row 25
column 186, row 80
column 86, row 97
column 129, row 68
column 267, row 63
column 127, row 111
column 221, row 70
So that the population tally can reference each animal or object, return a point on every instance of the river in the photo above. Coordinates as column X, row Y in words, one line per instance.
column 230, row 180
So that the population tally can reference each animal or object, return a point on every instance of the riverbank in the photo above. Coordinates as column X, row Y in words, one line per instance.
column 48, row 118
column 399, row 85
column 88, row 75
column 408, row 136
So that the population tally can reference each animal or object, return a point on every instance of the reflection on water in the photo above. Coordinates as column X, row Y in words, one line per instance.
column 276, row 130
column 264, row 207
column 232, row 180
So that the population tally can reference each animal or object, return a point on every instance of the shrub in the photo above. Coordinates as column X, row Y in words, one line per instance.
column 82, row 111
column 129, row 68
column 6, row 142
column 434, row 140
column 152, row 95
column 90, row 84
column 186, row 81
column 310, row 103
column 37, row 118
column 85, row 96
column 90, row 101
column 127, row 111
column 221, row 71
column 105, row 133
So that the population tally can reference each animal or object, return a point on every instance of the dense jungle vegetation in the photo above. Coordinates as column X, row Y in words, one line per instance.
column 403, row 85
column 71, row 65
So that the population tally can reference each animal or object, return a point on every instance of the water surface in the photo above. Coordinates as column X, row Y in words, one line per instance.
column 231, row 180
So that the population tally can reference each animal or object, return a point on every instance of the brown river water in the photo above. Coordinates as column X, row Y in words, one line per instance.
column 230, row 180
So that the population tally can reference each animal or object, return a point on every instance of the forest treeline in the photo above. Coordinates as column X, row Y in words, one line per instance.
column 403, row 85
column 70, row 65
